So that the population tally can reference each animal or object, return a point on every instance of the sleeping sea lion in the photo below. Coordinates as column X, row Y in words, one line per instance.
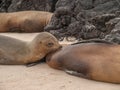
column 92, row 60
column 24, row 21
column 14, row 51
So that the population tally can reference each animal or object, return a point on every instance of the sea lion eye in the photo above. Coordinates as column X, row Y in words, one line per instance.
column 50, row 44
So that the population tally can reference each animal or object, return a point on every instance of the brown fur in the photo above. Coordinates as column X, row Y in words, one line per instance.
column 14, row 51
column 96, row 61
column 24, row 21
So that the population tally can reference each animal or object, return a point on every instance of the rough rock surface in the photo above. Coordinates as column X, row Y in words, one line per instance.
column 86, row 19
column 20, row 5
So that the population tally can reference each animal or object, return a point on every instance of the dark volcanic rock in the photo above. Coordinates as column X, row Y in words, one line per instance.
column 85, row 19
column 112, row 24
column 4, row 4
column 106, row 6
column 114, row 35
column 84, row 25
column 100, row 20
column 22, row 5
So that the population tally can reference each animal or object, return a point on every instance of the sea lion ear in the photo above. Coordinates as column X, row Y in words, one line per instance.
column 50, row 44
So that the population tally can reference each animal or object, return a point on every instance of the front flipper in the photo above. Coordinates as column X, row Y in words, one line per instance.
column 75, row 73
column 35, row 63
column 32, row 64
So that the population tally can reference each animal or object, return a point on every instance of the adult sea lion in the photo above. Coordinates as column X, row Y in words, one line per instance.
column 92, row 60
column 14, row 51
column 24, row 21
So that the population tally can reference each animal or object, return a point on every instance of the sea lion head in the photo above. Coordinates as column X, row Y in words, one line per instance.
column 46, row 42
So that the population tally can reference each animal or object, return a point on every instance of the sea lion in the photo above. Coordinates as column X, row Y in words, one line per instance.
column 92, row 60
column 24, row 21
column 14, row 51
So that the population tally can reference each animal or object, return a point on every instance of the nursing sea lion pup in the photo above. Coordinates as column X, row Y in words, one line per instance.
column 14, row 51
column 24, row 21
column 97, row 61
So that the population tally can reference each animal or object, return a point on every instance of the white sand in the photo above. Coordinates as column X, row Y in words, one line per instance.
column 42, row 77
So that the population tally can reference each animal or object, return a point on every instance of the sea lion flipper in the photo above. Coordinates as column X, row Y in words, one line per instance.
column 75, row 73
column 35, row 63
column 31, row 64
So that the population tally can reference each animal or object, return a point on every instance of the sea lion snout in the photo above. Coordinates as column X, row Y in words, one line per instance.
column 57, row 47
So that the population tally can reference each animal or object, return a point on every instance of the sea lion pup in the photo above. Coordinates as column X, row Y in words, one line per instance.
column 14, row 51
column 24, row 21
column 92, row 60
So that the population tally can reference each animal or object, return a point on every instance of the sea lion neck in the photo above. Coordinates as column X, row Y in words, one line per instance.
column 35, row 52
column 34, row 46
